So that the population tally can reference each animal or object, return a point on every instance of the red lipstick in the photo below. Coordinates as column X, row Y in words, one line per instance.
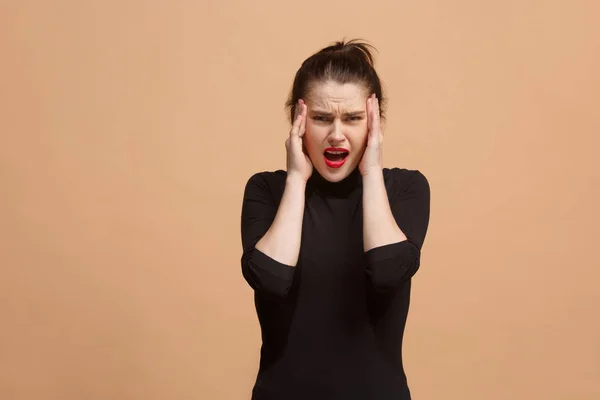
column 335, row 157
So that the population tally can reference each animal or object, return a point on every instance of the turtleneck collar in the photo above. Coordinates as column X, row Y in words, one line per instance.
column 336, row 189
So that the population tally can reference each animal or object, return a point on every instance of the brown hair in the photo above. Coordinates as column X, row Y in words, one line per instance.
column 342, row 62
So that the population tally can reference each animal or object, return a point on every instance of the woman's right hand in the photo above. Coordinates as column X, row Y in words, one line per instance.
column 298, row 162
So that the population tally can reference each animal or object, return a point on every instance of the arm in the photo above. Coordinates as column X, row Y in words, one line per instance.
column 379, row 226
column 395, row 227
column 282, row 240
column 271, row 236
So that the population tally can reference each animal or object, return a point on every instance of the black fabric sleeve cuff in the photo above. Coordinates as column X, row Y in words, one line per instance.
column 268, row 276
column 388, row 266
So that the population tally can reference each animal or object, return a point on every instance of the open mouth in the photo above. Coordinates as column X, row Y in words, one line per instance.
column 336, row 155
column 335, row 158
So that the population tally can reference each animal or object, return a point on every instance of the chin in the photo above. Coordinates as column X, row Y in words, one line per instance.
column 335, row 174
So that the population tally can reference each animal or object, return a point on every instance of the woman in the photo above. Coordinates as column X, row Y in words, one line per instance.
column 330, row 246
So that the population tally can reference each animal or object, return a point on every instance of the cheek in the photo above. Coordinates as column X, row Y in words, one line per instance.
column 314, row 136
column 309, row 143
column 358, row 137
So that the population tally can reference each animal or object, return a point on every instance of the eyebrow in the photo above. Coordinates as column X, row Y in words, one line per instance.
column 347, row 114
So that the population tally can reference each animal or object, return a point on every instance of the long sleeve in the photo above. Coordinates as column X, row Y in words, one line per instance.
column 265, row 275
column 391, row 265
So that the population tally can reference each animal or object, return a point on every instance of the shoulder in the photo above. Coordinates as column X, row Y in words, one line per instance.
column 269, row 178
column 400, row 180
column 266, row 182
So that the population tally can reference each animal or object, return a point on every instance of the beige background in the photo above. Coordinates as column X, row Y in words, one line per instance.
column 129, row 129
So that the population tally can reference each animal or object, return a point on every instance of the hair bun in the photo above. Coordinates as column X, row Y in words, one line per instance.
column 354, row 47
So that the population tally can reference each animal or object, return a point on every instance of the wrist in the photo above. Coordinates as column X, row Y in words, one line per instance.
column 375, row 171
column 295, row 180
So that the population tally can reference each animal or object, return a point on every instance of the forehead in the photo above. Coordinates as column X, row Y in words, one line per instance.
column 333, row 96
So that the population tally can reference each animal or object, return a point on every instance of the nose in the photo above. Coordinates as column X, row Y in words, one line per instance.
column 336, row 137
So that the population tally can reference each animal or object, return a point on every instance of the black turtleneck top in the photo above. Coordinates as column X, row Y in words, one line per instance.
column 332, row 326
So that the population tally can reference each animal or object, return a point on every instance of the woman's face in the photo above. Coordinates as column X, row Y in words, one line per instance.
column 336, row 128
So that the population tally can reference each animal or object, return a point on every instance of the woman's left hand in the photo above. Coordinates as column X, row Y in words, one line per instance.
column 372, row 159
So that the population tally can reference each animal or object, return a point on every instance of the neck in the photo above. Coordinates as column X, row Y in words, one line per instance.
column 341, row 188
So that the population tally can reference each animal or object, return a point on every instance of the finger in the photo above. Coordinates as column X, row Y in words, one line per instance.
column 303, row 113
column 369, row 115
column 373, row 116
column 376, row 125
column 296, row 125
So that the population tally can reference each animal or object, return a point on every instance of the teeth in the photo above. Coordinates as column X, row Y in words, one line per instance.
column 337, row 152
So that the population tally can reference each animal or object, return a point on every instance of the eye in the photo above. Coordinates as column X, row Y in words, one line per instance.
column 355, row 118
column 321, row 118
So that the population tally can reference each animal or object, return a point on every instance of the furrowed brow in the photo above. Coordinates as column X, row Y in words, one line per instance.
column 347, row 114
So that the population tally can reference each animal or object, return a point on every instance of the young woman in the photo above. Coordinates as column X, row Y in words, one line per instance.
column 331, row 245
